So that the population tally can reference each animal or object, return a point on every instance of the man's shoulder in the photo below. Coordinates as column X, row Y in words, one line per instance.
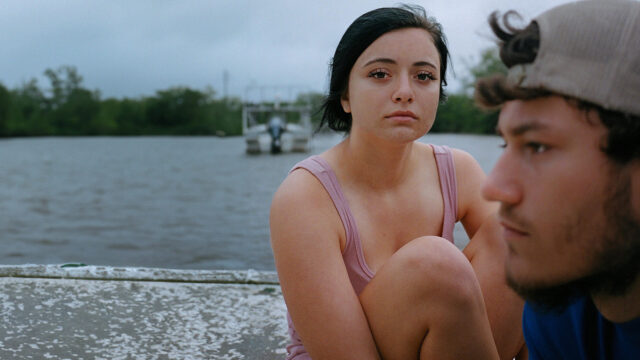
column 578, row 331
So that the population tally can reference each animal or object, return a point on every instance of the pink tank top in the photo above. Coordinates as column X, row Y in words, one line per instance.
column 357, row 269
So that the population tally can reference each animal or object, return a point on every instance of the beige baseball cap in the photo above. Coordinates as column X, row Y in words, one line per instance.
column 589, row 50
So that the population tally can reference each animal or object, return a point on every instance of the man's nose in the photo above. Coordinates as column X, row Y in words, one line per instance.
column 502, row 183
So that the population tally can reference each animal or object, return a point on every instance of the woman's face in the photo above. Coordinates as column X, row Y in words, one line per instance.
column 394, row 87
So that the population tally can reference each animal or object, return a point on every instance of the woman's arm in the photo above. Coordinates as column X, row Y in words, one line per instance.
column 306, row 233
column 487, row 253
column 473, row 209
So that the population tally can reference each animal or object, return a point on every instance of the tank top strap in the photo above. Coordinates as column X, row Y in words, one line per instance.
column 449, row 188
column 323, row 172
column 357, row 268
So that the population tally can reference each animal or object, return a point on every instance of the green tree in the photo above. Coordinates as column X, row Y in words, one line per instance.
column 460, row 114
column 67, row 108
column 72, row 109
column 79, row 114
column 227, row 116
column 64, row 81
column 5, row 104
column 127, row 116
column 178, row 110
column 27, row 115
column 488, row 64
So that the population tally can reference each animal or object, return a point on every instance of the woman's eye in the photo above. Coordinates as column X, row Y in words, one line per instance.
column 378, row 74
column 425, row 76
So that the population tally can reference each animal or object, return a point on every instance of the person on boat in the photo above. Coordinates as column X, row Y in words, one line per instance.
column 362, row 234
column 568, row 181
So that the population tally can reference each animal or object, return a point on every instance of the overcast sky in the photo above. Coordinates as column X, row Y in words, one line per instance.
column 133, row 48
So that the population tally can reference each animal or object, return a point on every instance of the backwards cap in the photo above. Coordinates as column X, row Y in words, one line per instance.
column 589, row 50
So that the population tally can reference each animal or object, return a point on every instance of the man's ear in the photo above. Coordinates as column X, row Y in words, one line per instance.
column 346, row 106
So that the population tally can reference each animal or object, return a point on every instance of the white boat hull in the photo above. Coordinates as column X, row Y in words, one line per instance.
column 290, row 136
column 291, row 142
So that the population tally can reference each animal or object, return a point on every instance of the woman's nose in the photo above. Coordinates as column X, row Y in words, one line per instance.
column 403, row 91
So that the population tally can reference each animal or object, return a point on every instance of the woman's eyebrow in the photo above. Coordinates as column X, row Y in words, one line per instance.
column 391, row 61
column 424, row 63
column 381, row 60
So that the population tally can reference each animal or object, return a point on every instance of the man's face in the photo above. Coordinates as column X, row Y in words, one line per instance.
column 565, row 208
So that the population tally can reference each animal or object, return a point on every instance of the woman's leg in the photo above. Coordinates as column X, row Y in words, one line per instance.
column 425, row 302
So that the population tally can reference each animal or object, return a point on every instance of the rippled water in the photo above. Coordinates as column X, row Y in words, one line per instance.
column 174, row 202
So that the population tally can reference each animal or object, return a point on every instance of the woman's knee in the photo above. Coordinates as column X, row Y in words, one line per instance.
column 438, row 268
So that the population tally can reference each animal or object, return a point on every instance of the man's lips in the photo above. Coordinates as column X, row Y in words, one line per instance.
column 512, row 229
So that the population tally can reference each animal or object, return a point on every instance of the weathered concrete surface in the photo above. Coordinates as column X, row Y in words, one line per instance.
column 49, row 312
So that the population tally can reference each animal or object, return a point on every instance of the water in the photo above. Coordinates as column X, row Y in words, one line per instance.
column 173, row 202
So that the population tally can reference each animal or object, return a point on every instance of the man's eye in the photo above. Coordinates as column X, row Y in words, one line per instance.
column 537, row 148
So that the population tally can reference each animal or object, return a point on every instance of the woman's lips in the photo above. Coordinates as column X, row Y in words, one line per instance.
column 402, row 116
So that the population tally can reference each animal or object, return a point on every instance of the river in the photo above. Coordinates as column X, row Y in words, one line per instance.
column 171, row 202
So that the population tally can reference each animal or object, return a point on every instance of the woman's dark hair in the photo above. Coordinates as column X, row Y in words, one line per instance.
column 520, row 46
column 359, row 35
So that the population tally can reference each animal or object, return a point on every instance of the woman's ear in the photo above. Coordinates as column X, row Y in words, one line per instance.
column 346, row 106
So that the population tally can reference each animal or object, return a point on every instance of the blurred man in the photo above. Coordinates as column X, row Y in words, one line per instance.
column 568, row 181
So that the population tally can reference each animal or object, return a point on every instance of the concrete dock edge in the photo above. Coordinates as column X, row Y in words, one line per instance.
column 100, row 312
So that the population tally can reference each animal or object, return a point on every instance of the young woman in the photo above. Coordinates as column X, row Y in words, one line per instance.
column 362, row 234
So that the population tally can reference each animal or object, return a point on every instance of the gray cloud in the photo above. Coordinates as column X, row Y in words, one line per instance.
column 133, row 48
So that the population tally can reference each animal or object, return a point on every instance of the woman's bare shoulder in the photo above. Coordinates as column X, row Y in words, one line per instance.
column 469, row 174
column 299, row 188
column 472, row 208
column 423, row 148
column 464, row 162
column 302, row 201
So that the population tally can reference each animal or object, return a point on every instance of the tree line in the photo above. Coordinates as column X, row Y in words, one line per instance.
column 66, row 108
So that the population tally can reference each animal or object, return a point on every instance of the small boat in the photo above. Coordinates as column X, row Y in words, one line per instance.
column 276, row 134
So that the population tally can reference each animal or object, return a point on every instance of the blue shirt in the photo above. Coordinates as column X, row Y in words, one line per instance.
column 579, row 332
